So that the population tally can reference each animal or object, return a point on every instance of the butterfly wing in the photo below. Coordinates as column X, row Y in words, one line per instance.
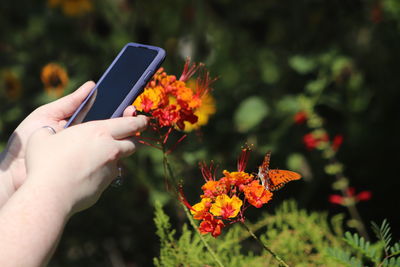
column 263, row 169
column 278, row 178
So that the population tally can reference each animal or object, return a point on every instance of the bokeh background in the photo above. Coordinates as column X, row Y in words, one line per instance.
column 340, row 59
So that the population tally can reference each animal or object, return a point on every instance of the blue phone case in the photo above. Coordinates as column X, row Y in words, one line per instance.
column 137, row 88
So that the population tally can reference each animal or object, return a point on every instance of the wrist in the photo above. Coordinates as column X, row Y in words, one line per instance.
column 52, row 198
column 31, row 223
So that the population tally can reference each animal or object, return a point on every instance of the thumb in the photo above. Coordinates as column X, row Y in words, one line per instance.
column 66, row 106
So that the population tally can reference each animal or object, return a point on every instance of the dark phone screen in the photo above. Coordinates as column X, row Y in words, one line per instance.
column 118, row 82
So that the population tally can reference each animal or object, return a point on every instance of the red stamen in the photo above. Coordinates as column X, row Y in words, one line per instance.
column 203, row 83
column 208, row 172
column 243, row 159
column 167, row 135
column 149, row 144
column 189, row 70
column 176, row 144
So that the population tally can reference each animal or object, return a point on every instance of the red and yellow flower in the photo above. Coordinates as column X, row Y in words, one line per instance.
column 256, row 194
column 226, row 207
column 200, row 210
column 211, row 225
column 238, row 178
column 225, row 199
column 213, row 189
column 179, row 103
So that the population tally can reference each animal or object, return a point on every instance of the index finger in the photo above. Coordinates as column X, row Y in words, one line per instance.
column 124, row 127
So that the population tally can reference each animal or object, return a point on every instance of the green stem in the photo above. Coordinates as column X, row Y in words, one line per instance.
column 352, row 208
column 195, row 227
column 281, row 262
column 170, row 175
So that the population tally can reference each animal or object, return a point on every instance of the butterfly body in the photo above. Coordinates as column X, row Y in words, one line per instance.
column 274, row 179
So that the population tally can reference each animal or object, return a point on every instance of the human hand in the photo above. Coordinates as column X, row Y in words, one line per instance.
column 78, row 163
column 54, row 114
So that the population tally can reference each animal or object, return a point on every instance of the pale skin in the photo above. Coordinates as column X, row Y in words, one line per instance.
column 45, row 178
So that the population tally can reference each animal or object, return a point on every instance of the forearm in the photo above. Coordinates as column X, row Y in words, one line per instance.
column 31, row 223
column 6, row 183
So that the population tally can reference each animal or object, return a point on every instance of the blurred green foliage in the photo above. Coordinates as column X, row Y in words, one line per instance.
column 272, row 59
column 302, row 239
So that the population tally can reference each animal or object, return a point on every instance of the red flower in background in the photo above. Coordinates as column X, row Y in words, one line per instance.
column 376, row 14
column 300, row 117
column 337, row 142
column 311, row 142
column 336, row 199
column 350, row 195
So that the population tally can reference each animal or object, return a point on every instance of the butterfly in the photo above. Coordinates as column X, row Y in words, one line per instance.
column 275, row 179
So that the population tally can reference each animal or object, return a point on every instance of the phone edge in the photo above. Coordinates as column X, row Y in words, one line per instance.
column 155, row 64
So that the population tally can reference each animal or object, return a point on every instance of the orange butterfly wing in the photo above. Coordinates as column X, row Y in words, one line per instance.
column 278, row 178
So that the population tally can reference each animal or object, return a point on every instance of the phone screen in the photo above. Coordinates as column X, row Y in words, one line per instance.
column 118, row 82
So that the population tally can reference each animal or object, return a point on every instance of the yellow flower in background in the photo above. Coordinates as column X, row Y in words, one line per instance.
column 203, row 112
column 12, row 85
column 55, row 79
column 72, row 7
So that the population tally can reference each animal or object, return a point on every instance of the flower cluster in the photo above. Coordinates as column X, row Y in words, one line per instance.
column 350, row 197
column 317, row 139
column 181, row 103
column 224, row 200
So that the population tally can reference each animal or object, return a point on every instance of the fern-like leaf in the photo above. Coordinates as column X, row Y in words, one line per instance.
column 391, row 262
column 343, row 257
column 361, row 245
column 383, row 234
column 395, row 249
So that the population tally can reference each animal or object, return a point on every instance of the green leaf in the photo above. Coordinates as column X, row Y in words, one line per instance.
column 383, row 234
column 343, row 257
column 250, row 113
column 302, row 64
column 269, row 72
column 361, row 245
column 316, row 86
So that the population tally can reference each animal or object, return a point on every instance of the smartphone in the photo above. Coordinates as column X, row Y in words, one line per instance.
column 120, row 84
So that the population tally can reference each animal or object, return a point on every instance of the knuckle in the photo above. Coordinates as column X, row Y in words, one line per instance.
column 114, row 154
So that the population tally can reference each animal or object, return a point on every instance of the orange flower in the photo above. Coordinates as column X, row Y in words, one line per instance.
column 54, row 78
column 238, row 178
column 214, row 188
column 151, row 99
column 72, row 7
column 176, row 103
column 211, row 225
column 256, row 194
column 226, row 207
column 12, row 85
column 226, row 199
column 200, row 209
